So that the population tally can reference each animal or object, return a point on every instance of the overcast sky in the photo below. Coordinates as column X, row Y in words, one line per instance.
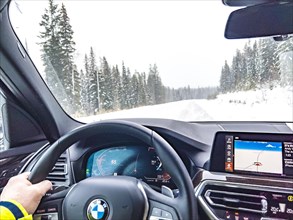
column 184, row 38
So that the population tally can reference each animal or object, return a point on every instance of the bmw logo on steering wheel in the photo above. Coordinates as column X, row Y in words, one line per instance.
column 98, row 209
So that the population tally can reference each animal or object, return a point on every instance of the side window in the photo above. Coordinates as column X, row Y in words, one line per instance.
column 13, row 118
column 1, row 135
column 2, row 147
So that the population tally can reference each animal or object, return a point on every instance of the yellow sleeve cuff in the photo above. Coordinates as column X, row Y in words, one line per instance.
column 6, row 214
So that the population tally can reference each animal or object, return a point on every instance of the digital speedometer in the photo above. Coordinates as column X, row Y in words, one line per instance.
column 111, row 161
column 136, row 161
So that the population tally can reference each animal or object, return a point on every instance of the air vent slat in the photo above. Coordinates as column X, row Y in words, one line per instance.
column 61, row 160
column 234, row 200
column 58, row 174
column 56, row 178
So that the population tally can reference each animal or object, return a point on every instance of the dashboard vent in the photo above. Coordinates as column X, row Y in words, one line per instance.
column 59, row 172
column 237, row 201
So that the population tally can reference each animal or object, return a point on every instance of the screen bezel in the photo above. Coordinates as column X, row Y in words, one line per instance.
column 217, row 160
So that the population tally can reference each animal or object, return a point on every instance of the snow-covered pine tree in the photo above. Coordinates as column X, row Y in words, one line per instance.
column 251, row 57
column 92, row 78
column 116, row 87
column 86, row 88
column 269, row 72
column 258, row 64
column 285, row 62
column 125, row 88
column 235, row 71
column 57, row 48
column 128, row 89
column 106, row 86
column 122, row 90
column 151, row 86
column 159, row 87
column 84, row 93
column 76, row 88
column 169, row 94
column 135, row 88
column 225, row 79
column 142, row 93
column 51, row 50
column 247, row 58
column 243, row 77
column 177, row 95
column 67, row 46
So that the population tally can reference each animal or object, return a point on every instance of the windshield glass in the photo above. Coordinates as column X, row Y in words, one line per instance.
column 154, row 59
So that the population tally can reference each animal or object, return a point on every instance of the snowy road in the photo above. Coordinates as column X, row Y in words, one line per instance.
column 242, row 106
column 182, row 110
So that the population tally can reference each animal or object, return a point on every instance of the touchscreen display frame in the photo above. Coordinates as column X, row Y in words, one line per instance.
column 269, row 154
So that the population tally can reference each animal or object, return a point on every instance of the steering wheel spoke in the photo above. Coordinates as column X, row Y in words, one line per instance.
column 162, row 206
column 159, row 211
column 51, row 205
column 49, row 209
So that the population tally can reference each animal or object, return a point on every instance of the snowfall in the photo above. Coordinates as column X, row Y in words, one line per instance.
column 258, row 105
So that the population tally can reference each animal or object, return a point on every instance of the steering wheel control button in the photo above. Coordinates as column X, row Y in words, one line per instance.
column 166, row 215
column 98, row 209
column 157, row 212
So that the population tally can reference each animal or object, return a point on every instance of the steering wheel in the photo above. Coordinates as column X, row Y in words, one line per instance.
column 120, row 197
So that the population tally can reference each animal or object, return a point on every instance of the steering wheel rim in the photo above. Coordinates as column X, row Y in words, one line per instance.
column 184, row 204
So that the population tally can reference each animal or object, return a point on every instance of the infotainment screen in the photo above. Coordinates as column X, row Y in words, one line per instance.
column 253, row 153
column 257, row 156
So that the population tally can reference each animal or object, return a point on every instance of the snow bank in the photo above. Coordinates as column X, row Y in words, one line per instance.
column 259, row 105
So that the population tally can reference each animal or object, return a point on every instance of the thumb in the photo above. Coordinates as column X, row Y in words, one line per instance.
column 43, row 186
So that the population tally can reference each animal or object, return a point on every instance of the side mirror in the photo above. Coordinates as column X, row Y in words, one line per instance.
column 273, row 19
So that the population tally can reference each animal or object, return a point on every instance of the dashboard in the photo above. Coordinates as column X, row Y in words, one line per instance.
column 236, row 174
column 136, row 161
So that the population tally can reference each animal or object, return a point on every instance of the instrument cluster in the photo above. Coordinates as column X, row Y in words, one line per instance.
column 136, row 161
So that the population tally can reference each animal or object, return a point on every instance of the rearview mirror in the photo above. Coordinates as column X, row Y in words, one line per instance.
column 260, row 21
column 239, row 3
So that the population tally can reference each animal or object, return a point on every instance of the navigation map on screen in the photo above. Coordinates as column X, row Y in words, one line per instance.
column 258, row 156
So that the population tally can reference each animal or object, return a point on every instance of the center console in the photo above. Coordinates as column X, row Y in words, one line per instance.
column 237, row 201
column 257, row 154
column 250, row 177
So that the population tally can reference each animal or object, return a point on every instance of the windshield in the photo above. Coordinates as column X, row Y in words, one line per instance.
column 154, row 59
